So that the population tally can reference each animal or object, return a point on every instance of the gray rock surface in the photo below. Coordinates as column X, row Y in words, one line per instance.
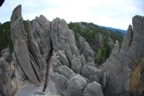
column 61, row 82
column 76, row 64
column 27, row 55
column 122, row 60
column 84, row 48
column 62, row 36
column 62, row 58
column 20, row 47
column 74, row 72
column 91, row 73
column 76, row 85
column 67, row 60
column 5, row 81
column 93, row 89
column 41, row 32
column 6, row 54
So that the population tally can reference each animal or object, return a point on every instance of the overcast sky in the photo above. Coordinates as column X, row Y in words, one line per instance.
column 113, row 13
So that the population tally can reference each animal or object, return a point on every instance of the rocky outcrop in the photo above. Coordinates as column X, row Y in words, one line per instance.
column 46, row 55
column 26, row 53
column 76, row 85
column 84, row 48
column 6, row 73
column 33, row 41
column 41, row 33
column 122, row 60
column 5, row 81
column 93, row 89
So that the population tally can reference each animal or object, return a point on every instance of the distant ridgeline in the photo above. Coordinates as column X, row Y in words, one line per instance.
column 121, row 31
column 101, row 39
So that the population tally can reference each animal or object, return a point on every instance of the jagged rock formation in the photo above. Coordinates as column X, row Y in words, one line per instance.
column 32, row 43
column 27, row 56
column 99, row 38
column 123, row 60
column 84, row 47
column 71, row 67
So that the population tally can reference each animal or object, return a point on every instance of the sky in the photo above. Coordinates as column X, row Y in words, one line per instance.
column 112, row 13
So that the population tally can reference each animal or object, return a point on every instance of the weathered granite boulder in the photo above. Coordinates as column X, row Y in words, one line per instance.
column 93, row 89
column 41, row 32
column 60, row 81
column 91, row 73
column 84, row 48
column 62, row 37
column 61, row 68
column 62, row 58
column 76, row 85
column 76, row 64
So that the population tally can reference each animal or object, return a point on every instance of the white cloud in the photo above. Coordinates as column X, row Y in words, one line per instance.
column 114, row 13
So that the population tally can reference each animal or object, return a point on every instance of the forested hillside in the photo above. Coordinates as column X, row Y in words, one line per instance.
column 5, row 36
column 100, row 39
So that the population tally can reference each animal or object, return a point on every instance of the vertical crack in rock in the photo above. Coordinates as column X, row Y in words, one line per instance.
column 33, row 66
column 128, row 39
column 35, row 44
column 47, row 67
column 19, row 63
column 121, row 65
column 130, row 29
column 20, row 46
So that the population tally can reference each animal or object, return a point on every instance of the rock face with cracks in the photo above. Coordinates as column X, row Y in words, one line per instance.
column 71, row 69
column 27, row 55
column 123, row 60
column 33, row 41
